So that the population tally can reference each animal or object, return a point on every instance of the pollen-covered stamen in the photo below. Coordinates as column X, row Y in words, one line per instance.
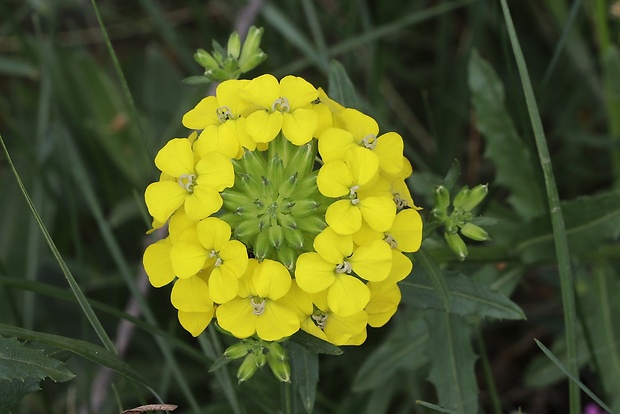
column 344, row 267
column 224, row 114
column 281, row 104
column 218, row 261
column 353, row 194
column 391, row 241
column 400, row 202
column 369, row 141
column 187, row 181
column 320, row 319
column 258, row 308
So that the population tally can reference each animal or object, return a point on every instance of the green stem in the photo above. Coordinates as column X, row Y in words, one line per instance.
column 555, row 211
column 488, row 373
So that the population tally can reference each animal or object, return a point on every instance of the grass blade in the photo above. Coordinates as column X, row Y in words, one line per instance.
column 557, row 218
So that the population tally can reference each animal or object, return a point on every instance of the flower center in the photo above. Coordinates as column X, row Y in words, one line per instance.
column 187, row 181
column 401, row 203
column 319, row 318
column 353, row 194
column 258, row 308
column 218, row 260
column 281, row 104
column 224, row 114
column 369, row 141
column 391, row 241
column 344, row 267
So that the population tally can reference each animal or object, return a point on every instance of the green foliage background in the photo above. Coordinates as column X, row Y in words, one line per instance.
column 442, row 74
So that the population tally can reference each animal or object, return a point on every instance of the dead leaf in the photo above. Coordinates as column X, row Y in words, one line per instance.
column 151, row 407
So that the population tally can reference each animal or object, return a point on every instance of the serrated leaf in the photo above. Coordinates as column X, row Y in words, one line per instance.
column 452, row 362
column 341, row 89
column 404, row 349
column 589, row 220
column 504, row 146
column 315, row 344
column 469, row 297
column 436, row 277
column 304, row 373
column 12, row 392
column 18, row 362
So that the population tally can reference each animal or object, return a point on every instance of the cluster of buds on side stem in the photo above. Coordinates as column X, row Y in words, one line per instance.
column 460, row 216
column 256, row 353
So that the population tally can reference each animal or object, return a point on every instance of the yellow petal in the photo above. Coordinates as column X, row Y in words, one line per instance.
column 213, row 233
column 228, row 95
column 344, row 217
column 191, row 295
column 360, row 125
column 407, row 230
column 313, row 274
column 163, row 198
column 378, row 212
column 234, row 255
column 334, row 179
column 372, row 261
column 389, row 149
column 347, row 295
column 176, row 158
column 271, row 279
column 262, row 91
column 157, row 263
column 195, row 322
column 202, row 202
column 263, row 126
column 334, row 143
column 384, row 300
column 223, row 285
column 333, row 247
column 276, row 322
column 220, row 138
column 237, row 317
column 203, row 114
column 401, row 267
column 215, row 170
column 340, row 329
column 299, row 126
column 364, row 165
column 187, row 258
column 298, row 91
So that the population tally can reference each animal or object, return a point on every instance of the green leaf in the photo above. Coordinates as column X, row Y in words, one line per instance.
column 572, row 377
column 304, row 373
column 514, row 163
column 315, row 344
column 469, row 297
column 18, row 362
column 17, row 67
column 435, row 407
column 341, row 89
column 436, row 277
column 12, row 392
column 452, row 362
column 589, row 221
column 404, row 349
column 453, row 175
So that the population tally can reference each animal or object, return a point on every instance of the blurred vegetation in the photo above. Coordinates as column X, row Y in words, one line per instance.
column 441, row 73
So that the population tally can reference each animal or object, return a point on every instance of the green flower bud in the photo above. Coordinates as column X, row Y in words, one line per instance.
column 294, row 237
column 311, row 224
column 304, row 208
column 288, row 186
column 442, row 198
column 237, row 350
column 278, row 351
column 247, row 368
column 287, row 256
column 276, row 236
column 247, row 229
column 261, row 359
column 263, row 246
column 205, row 60
column 456, row 244
column 250, row 49
column 460, row 197
column 281, row 369
column 234, row 45
column 474, row 232
column 254, row 60
column 439, row 215
column 476, row 195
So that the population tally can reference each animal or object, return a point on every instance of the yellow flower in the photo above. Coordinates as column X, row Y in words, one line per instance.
column 184, row 183
column 257, row 309
column 384, row 299
column 209, row 245
column 282, row 107
column 219, row 118
column 331, row 266
column 191, row 297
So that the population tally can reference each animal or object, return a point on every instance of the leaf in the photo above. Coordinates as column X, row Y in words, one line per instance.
column 12, row 392
column 572, row 377
column 504, row 146
column 434, row 407
column 18, row 362
column 469, row 297
column 452, row 362
column 151, row 407
column 341, row 89
column 304, row 373
column 589, row 220
column 436, row 277
column 401, row 350
column 315, row 344
column 453, row 175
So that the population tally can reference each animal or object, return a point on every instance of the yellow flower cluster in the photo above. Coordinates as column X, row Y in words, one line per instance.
column 286, row 211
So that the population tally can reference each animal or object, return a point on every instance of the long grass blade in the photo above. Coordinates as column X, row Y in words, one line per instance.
column 555, row 211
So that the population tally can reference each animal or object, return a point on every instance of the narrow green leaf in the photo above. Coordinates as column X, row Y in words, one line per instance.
column 574, row 379
column 513, row 161
column 17, row 67
column 86, row 308
column 85, row 349
column 435, row 276
column 590, row 220
column 453, row 175
column 18, row 362
column 469, row 297
column 219, row 363
column 12, row 392
column 452, row 362
column 435, row 407
column 404, row 349
column 341, row 89
column 315, row 344
column 304, row 373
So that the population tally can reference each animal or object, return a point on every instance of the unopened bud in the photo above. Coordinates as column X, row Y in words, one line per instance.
column 312, row 224
column 254, row 60
column 261, row 359
column 476, row 195
column 287, row 256
column 276, row 236
column 251, row 48
column 294, row 237
column 474, row 232
column 263, row 246
column 457, row 245
column 234, row 45
column 278, row 351
column 304, row 207
column 247, row 368
column 281, row 369
column 237, row 350
column 439, row 215
column 461, row 197
column 442, row 198
column 205, row 60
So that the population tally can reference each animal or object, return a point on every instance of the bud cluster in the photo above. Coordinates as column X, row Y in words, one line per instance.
column 460, row 216
column 256, row 353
